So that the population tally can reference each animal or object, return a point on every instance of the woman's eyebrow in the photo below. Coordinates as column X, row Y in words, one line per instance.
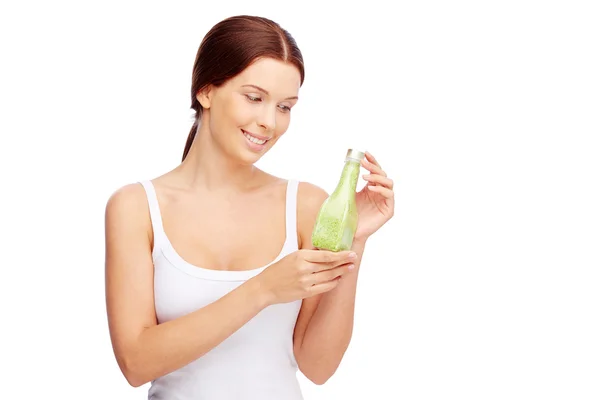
column 267, row 93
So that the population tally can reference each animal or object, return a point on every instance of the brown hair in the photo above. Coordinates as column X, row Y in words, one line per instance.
column 231, row 46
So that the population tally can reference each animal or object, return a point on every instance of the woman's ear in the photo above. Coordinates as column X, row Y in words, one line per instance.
column 204, row 96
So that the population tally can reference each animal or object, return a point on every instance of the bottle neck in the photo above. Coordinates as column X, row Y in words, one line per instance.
column 349, row 178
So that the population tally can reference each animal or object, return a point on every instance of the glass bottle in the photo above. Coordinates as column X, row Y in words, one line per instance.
column 337, row 220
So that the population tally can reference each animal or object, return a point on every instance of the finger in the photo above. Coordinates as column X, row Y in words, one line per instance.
column 325, row 266
column 331, row 274
column 382, row 180
column 326, row 256
column 385, row 192
column 373, row 168
column 323, row 287
column 327, row 274
column 316, row 255
column 371, row 159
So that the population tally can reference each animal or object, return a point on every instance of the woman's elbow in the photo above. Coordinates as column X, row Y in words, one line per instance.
column 134, row 380
column 319, row 380
column 132, row 372
column 318, row 376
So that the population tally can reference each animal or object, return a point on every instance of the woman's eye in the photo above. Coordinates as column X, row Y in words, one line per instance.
column 285, row 108
column 252, row 98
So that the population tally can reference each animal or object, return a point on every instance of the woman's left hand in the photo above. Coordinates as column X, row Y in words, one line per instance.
column 375, row 202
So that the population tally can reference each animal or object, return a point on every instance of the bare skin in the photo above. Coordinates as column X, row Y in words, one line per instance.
column 221, row 212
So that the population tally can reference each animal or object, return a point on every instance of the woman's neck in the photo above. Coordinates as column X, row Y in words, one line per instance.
column 207, row 168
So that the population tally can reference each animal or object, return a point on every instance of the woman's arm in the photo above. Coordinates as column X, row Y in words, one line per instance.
column 324, row 326
column 145, row 350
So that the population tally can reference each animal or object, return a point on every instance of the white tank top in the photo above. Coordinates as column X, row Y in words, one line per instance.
column 257, row 361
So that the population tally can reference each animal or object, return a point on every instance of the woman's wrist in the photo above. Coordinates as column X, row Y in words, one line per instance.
column 259, row 293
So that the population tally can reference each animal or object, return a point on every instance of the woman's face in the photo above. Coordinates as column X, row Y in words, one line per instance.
column 251, row 111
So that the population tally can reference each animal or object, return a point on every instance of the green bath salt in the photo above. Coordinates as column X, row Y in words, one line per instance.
column 337, row 220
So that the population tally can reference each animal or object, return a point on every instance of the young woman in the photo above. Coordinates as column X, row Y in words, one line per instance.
column 213, row 288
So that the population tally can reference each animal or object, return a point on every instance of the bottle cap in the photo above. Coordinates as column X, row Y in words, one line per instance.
column 355, row 154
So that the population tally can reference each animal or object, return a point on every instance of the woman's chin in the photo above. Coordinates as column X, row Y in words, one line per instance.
column 246, row 157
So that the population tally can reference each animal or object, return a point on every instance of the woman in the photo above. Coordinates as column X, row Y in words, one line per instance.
column 213, row 288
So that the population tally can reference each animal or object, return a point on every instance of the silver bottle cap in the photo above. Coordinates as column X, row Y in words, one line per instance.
column 353, row 154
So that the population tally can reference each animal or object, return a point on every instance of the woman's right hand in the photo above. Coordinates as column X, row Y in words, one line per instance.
column 304, row 273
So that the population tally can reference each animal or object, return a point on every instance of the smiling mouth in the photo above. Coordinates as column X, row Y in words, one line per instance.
column 254, row 139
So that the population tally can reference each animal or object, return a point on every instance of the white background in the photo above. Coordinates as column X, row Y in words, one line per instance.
column 485, row 284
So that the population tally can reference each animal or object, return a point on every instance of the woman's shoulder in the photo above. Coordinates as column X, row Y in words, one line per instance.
column 310, row 195
column 128, row 195
column 127, row 202
column 310, row 199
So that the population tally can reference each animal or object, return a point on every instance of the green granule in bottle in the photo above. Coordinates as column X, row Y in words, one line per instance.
column 328, row 233
column 338, row 218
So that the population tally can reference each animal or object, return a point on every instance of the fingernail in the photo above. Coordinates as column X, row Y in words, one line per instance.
column 351, row 266
column 352, row 255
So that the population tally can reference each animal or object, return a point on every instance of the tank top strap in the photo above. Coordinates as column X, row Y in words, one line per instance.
column 155, row 216
column 290, row 212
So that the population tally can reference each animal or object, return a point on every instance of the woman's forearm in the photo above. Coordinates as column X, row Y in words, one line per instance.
column 166, row 347
column 329, row 331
